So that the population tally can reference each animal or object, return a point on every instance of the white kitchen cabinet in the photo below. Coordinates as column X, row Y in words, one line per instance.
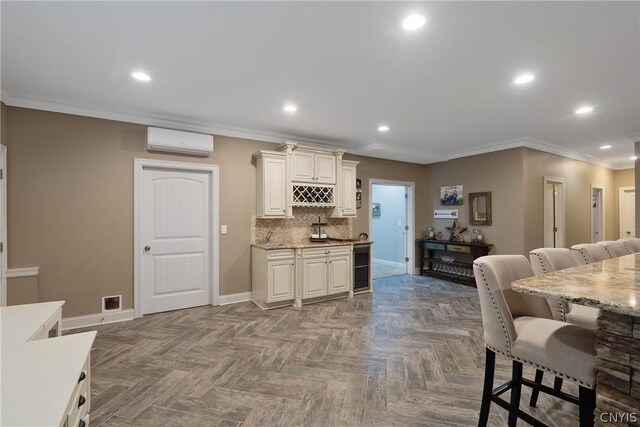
column 272, row 277
column 339, row 274
column 314, row 277
column 272, row 185
column 313, row 167
column 281, row 280
column 348, row 189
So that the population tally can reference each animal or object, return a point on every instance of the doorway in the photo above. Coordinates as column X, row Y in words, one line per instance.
column 597, row 213
column 391, row 227
column 176, row 236
column 554, row 212
column 627, row 212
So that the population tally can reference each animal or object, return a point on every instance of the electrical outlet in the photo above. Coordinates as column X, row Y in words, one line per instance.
column 223, row 229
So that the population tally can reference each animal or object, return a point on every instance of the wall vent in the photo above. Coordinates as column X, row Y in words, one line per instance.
column 112, row 303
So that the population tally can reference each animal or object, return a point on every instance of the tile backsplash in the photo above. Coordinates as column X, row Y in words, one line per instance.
column 298, row 229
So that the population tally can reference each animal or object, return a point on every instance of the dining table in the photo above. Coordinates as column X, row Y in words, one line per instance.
column 613, row 286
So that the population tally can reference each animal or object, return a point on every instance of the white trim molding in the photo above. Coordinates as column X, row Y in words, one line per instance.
column 234, row 298
column 96, row 319
column 14, row 273
column 214, row 171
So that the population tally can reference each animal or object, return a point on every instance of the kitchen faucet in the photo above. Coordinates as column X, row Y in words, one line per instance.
column 268, row 238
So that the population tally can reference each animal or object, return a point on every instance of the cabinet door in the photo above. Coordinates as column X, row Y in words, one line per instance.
column 275, row 186
column 281, row 280
column 339, row 274
column 349, row 191
column 303, row 167
column 314, row 277
column 325, row 168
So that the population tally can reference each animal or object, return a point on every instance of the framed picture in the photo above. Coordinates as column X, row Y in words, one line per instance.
column 375, row 210
column 451, row 195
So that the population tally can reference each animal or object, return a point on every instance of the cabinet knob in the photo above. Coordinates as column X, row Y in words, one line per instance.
column 82, row 377
column 147, row 248
column 81, row 401
column 327, row 252
column 82, row 423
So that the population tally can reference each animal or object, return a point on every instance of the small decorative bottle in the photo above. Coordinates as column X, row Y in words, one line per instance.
column 480, row 237
column 474, row 236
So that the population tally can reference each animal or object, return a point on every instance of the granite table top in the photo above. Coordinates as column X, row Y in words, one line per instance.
column 309, row 244
column 612, row 285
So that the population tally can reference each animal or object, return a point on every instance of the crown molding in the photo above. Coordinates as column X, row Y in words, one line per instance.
column 159, row 120
column 536, row 144
column 409, row 155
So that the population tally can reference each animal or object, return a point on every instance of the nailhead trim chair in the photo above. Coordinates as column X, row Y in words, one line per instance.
column 632, row 244
column 521, row 328
column 615, row 248
column 588, row 253
column 548, row 260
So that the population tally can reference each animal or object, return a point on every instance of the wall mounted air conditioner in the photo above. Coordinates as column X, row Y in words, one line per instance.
column 174, row 141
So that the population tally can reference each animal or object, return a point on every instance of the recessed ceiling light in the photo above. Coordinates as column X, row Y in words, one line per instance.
column 290, row 108
column 586, row 109
column 524, row 78
column 413, row 22
column 605, row 147
column 633, row 158
column 141, row 75
column 383, row 128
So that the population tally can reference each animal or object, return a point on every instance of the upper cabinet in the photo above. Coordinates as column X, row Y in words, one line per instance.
column 348, row 192
column 272, row 189
column 302, row 176
column 313, row 167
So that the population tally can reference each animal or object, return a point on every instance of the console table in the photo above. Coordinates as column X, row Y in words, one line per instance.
column 457, row 265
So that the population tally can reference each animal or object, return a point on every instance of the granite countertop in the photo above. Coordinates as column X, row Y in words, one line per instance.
column 611, row 285
column 308, row 244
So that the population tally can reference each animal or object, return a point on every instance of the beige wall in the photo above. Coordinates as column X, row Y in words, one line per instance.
column 370, row 168
column 579, row 176
column 22, row 290
column 70, row 200
column 498, row 172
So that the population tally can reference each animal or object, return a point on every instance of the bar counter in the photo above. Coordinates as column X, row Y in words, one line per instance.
column 613, row 286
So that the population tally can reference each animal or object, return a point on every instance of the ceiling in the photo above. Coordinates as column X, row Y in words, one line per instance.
column 446, row 90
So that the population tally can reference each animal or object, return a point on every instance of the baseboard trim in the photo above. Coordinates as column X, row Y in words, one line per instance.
column 96, row 319
column 234, row 298
column 14, row 273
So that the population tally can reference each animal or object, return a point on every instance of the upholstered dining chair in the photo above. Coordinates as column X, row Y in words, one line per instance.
column 588, row 253
column 632, row 243
column 615, row 248
column 520, row 327
column 548, row 260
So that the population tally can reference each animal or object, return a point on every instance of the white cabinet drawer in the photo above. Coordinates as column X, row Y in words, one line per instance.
column 80, row 402
column 280, row 253
column 327, row 250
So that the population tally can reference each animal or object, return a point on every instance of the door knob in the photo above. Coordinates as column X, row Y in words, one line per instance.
column 147, row 248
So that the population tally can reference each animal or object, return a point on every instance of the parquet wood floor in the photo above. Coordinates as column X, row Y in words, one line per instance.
column 412, row 353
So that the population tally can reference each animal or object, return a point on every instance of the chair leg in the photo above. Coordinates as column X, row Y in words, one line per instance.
column 535, row 392
column 514, row 405
column 487, row 391
column 557, row 383
column 587, row 406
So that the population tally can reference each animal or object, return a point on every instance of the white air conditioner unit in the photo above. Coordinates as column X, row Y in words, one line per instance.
column 175, row 141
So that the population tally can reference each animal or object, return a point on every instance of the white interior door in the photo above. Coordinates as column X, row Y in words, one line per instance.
column 175, row 239
column 627, row 212
column 597, row 214
column 554, row 212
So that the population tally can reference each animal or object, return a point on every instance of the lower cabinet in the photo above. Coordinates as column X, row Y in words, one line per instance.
column 314, row 277
column 289, row 276
column 281, row 281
